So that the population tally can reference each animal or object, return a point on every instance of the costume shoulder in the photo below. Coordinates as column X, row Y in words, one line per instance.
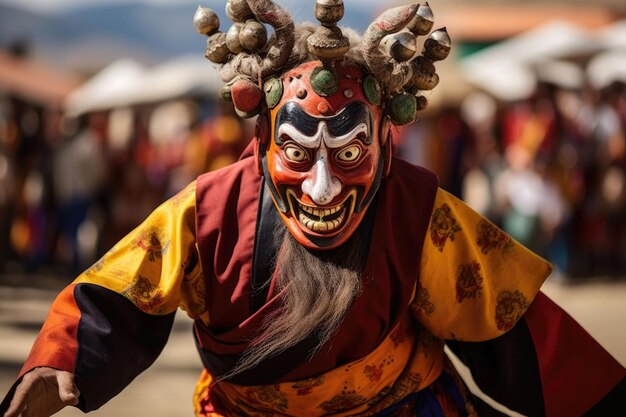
column 410, row 175
column 226, row 209
column 231, row 177
column 475, row 281
column 148, row 265
column 224, row 192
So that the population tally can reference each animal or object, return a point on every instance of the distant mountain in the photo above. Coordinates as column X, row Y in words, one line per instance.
column 87, row 38
column 160, row 32
column 66, row 42
column 25, row 27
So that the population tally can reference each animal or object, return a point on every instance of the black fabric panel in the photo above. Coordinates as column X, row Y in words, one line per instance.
column 612, row 405
column 485, row 410
column 116, row 342
column 267, row 372
column 506, row 369
column 264, row 249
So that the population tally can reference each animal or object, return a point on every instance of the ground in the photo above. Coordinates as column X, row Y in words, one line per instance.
column 165, row 390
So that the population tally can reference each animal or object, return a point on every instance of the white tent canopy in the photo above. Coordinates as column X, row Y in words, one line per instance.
column 508, row 69
column 561, row 73
column 614, row 36
column 506, row 81
column 103, row 89
column 125, row 83
column 181, row 77
column 607, row 68
column 553, row 40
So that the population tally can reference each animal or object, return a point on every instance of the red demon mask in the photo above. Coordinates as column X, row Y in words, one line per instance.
column 324, row 160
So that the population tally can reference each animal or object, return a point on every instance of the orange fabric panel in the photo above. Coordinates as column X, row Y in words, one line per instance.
column 60, row 329
column 408, row 360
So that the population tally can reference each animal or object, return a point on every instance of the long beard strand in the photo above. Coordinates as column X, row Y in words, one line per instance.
column 317, row 290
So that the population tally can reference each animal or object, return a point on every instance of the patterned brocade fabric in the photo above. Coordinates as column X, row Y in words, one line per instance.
column 156, row 265
column 475, row 282
column 408, row 360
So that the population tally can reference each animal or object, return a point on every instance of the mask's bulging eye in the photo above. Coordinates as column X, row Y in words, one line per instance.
column 295, row 153
column 349, row 154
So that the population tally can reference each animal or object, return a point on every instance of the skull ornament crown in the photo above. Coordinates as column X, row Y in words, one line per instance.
column 326, row 100
column 388, row 50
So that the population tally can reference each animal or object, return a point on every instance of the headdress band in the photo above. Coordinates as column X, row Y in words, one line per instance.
column 250, row 62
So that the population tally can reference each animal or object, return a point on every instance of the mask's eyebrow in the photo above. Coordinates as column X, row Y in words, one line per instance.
column 292, row 114
column 304, row 140
column 350, row 119
column 293, row 120
column 361, row 131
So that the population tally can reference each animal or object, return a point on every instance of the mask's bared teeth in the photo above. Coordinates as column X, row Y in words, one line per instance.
column 319, row 212
column 307, row 209
column 316, row 219
column 320, row 226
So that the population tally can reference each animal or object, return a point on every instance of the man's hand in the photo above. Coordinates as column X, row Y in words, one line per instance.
column 43, row 392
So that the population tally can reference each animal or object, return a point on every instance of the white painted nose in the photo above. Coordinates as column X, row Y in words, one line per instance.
column 321, row 186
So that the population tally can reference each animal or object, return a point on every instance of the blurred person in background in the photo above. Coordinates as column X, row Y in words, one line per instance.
column 440, row 144
column 7, row 131
column 600, row 230
column 484, row 158
column 136, row 180
column 79, row 175
column 210, row 144
column 609, row 133
column 323, row 274
column 30, row 207
column 561, row 168
column 225, row 136
column 532, row 206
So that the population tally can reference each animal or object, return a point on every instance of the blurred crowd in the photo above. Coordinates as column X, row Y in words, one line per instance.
column 549, row 169
column 71, row 188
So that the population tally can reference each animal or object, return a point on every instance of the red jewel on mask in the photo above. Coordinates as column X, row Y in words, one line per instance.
column 323, row 108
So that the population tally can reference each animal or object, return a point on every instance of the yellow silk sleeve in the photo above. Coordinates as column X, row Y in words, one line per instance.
column 156, row 265
column 475, row 281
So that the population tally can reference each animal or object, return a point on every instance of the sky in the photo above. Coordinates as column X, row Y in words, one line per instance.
column 52, row 6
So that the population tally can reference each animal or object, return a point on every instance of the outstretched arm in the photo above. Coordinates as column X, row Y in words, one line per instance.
column 112, row 322
column 547, row 365
column 479, row 289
